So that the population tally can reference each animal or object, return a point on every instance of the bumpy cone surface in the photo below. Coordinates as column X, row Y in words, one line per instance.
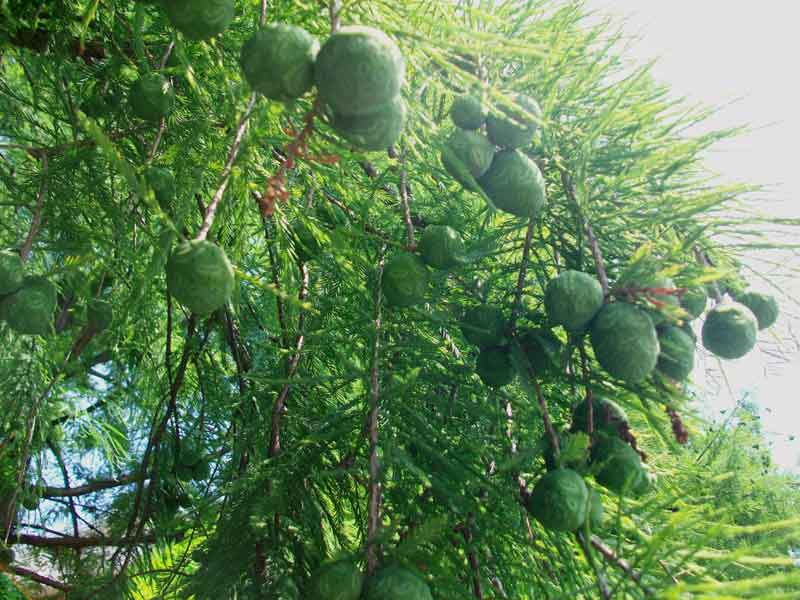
column 376, row 130
column 405, row 280
column 151, row 97
column 359, row 70
column 12, row 272
column 200, row 19
column 620, row 468
column 341, row 580
column 764, row 307
column 396, row 583
column 467, row 152
column 484, row 326
column 515, row 184
column 441, row 247
column 676, row 359
column 467, row 112
column 278, row 61
column 162, row 182
column 200, row 276
column 559, row 500
column 494, row 367
column 694, row 301
column 573, row 299
column 512, row 128
column 31, row 308
column 625, row 341
column 730, row 330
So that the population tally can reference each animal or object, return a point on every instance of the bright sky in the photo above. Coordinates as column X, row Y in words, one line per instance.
column 717, row 52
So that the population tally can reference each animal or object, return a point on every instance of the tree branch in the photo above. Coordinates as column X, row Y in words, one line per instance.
column 25, row 252
column 523, row 273
column 233, row 153
column 73, row 542
column 594, row 245
column 611, row 557
column 38, row 578
column 89, row 488
column 280, row 401
column 404, row 199
column 374, row 502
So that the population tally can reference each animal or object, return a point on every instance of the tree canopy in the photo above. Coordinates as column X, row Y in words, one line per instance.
column 291, row 308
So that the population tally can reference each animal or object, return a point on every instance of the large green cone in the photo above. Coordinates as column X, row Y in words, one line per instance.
column 694, row 301
column 12, row 272
column 515, row 184
column 730, row 330
column 494, row 367
column 676, row 359
column 467, row 152
column 340, row 580
column 625, row 342
column 359, row 70
column 484, row 326
column 512, row 128
column 559, row 500
column 441, row 247
column 573, row 299
column 376, row 130
column 30, row 310
column 396, row 583
column 619, row 467
column 405, row 280
column 467, row 112
column 200, row 19
column 162, row 182
column 151, row 97
column 200, row 276
column 764, row 307
column 278, row 61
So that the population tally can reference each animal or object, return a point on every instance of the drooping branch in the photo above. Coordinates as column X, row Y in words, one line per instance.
column 374, row 502
column 36, row 223
column 474, row 564
column 233, row 154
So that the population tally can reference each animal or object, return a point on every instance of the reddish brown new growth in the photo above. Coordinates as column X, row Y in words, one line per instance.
column 276, row 189
column 678, row 428
column 626, row 435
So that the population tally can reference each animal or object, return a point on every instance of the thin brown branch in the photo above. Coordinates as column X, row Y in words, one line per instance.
column 69, row 541
column 404, row 200
column 36, row 223
column 233, row 154
column 702, row 258
column 611, row 557
column 523, row 274
column 39, row 578
column 89, row 488
column 594, row 245
column 294, row 361
column 374, row 503
column 474, row 564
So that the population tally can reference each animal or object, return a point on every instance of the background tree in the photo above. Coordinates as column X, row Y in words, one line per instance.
column 151, row 452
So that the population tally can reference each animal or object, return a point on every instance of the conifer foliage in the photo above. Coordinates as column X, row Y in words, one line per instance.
column 382, row 300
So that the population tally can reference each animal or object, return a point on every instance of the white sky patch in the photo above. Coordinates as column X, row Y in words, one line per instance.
column 744, row 58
